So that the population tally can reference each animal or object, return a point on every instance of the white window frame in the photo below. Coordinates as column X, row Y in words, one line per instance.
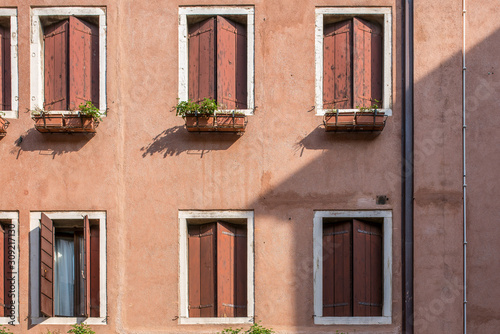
column 13, row 217
column 386, row 318
column 387, row 73
column 184, row 218
column 184, row 12
column 35, row 218
column 37, row 50
column 14, row 82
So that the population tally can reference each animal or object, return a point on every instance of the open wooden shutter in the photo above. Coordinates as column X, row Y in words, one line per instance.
column 83, row 63
column 337, row 270
column 5, row 70
column 231, row 64
column 201, row 270
column 367, row 268
column 337, row 65
column 95, row 300
column 367, row 63
column 56, row 66
column 86, row 242
column 201, row 54
column 46, row 266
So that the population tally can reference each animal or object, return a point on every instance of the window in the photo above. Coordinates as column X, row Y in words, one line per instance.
column 353, row 58
column 68, row 58
column 216, row 55
column 9, row 264
column 352, row 283
column 8, row 63
column 216, row 264
column 68, row 259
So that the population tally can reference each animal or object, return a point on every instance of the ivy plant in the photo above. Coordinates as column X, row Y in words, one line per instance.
column 88, row 109
column 4, row 330
column 81, row 329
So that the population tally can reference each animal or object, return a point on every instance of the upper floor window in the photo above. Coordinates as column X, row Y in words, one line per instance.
column 8, row 63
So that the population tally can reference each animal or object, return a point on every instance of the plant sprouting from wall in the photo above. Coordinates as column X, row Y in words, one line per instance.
column 256, row 328
column 81, row 329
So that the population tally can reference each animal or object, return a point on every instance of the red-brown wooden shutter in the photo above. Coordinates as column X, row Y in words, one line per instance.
column 201, row 270
column 56, row 66
column 5, row 70
column 46, row 266
column 3, row 269
column 231, row 64
column 337, row 270
column 83, row 63
column 367, row 268
column 201, row 54
column 86, row 242
column 337, row 65
column 94, row 272
column 231, row 270
column 367, row 63
column 8, row 240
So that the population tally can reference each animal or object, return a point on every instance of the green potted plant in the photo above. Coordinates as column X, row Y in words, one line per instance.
column 370, row 118
column 4, row 124
column 364, row 119
column 206, row 117
column 85, row 120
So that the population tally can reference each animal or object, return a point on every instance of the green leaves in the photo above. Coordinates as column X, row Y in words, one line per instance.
column 81, row 329
column 206, row 107
column 88, row 109
column 255, row 329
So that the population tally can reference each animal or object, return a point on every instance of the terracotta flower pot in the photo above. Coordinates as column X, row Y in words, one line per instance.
column 220, row 122
column 59, row 123
column 4, row 124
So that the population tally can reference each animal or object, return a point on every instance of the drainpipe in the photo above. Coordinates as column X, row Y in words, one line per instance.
column 407, row 168
column 464, row 184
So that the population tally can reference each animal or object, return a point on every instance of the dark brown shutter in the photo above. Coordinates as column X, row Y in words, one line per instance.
column 231, row 64
column 367, row 63
column 337, row 270
column 83, row 63
column 46, row 266
column 94, row 272
column 3, row 269
column 8, row 239
column 56, row 66
column 201, row 50
column 231, row 270
column 86, row 242
column 367, row 268
column 5, row 70
column 337, row 66
column 201, row 270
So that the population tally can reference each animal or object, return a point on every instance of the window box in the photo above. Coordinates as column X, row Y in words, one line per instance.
column 4, row 124
column 354, row 121
column 217, row 122
column 62, row 123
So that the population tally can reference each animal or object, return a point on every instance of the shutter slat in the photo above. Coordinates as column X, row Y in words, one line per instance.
column 5, row 69
column 201, row 54
column 367, row 63
column 86, row 242
column 94, row 272
column 83, row 63
column 46, row 265
column 337, row 65
column 56, row 66
column 231, row 64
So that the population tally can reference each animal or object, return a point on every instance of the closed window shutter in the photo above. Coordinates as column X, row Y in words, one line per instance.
column 231, row 64
column 201, row 270
column 201, row 53
column 337, row 269
column 56, row 66
column 337, row 65
column 367, row 63
column 5, row 70
column 86, row 242
column 367, row 268
column 94, row 272
column 3, row 270
column 83, row 63
column 46, row 266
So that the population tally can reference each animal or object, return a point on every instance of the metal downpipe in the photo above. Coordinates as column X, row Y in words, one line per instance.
column 464, row 184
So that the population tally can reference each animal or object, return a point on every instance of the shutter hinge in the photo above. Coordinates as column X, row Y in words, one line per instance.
column 200, row 306
column 335, row 233
column 369, row 304
column 234, row 306
column 370, row 233
column 233, row 235
column 336, row 305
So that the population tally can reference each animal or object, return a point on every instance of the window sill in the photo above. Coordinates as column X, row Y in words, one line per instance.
column 68, row 321
column 8, row 321
column 352, row 320
column 12, row 114
column 215, row 321
column 322, row 112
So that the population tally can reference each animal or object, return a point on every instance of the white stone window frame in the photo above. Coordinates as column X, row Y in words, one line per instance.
column 35, row 218
column 37, row 52
column 386, row 217
column 14, row 82
column 384, row 12
column 13, row 217
column 209, row 216
column 208, row 11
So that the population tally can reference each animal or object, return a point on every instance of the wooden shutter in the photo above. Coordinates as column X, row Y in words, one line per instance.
column 201, row 54
column 56, row 66
column 95, row 299
column 231, row 270
column 367, row 63
column 5, row 69
column 231, row 64
column 86, row 242
column 337, row 269
column 83, row 63
column 201, row 270
column 46, row 266
column 337, row 65
column 3, row 270
column 367, row 268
